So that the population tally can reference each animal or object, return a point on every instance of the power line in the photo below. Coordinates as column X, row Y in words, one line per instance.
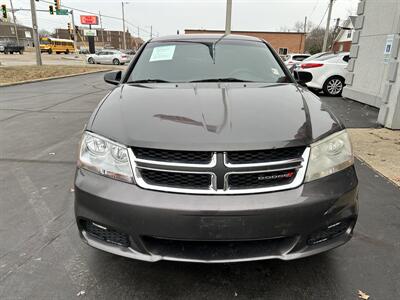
column 323, row 17
column 314, row 8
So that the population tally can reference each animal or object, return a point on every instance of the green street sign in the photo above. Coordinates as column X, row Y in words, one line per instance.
column 62, row 12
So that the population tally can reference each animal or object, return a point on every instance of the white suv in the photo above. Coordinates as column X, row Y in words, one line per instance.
column 294, row 58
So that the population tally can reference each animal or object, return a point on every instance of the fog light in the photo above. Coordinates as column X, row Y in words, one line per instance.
column 330, row 232
column 105, row 234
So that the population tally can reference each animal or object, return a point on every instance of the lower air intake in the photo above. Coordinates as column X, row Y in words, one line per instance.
column 107, row 235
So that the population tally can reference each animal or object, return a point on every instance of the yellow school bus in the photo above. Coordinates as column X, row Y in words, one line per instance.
column 50, row 45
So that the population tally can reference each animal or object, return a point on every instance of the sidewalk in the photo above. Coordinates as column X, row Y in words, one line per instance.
column 378, row 147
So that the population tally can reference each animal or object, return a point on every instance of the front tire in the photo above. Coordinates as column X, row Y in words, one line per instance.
column 116, row 61
column 91, row 60
column 333, row 86
column 50, row 51
column 67, row 51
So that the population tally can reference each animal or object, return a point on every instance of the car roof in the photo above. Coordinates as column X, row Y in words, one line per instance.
column 204, row 37
column 292, row 54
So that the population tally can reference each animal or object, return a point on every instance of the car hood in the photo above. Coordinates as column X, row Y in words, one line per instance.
column 211, row 116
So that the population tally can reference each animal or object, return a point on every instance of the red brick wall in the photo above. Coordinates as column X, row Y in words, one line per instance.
column 294, row 41
column 346, row 46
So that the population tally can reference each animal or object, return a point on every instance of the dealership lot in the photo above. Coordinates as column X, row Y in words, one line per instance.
column 40, row 246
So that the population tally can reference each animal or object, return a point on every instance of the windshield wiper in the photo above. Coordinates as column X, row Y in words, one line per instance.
column 227, row 79
column 149, row 81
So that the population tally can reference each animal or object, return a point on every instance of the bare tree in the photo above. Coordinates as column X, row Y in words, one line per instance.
column 45, row 33
column 298, row 26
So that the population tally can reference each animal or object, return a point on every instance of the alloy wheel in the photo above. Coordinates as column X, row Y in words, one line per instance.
column 334, row 86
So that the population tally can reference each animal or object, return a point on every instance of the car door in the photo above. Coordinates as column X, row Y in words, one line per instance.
column 99, row 57
column 108, row 57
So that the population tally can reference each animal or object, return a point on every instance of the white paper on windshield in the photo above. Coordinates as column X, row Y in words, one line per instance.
column 162, row 53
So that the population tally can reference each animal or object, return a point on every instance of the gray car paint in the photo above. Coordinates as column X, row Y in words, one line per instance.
column 213, row 116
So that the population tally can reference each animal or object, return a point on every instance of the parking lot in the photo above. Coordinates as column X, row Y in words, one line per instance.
column 42, row 257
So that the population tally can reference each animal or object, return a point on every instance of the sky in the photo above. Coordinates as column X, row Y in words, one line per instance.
column 166, row 16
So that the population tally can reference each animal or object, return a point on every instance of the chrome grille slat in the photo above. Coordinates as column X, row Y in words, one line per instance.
column 263, row 156
column 172, row 156
column 218, row 166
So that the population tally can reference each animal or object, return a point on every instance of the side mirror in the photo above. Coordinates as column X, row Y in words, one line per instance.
column 303, row 77
column 113, row 77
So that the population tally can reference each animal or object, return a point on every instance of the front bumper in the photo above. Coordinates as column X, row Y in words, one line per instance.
column 217, row 228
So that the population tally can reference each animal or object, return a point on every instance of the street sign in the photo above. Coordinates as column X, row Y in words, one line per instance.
column 89, row 20
column 89, row 32
column 62, row 12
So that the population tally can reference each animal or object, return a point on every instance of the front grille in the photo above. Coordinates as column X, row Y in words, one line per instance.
column 236, row 172
column 217, row 250
column 260, row 180
column 261, row 156
column 103, row 233
column 188, row 157
column 177, row 180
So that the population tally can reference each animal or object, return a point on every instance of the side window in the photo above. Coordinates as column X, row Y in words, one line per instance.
column 299, row 57
column 346, row 58
column 283, row 51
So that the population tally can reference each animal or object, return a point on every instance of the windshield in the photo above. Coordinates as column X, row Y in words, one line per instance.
column 44, row 42
column 225, row 60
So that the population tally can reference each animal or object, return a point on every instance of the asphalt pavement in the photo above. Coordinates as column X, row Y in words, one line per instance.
column 42, row 257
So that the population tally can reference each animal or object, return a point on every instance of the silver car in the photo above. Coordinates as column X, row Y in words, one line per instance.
column 114, row 57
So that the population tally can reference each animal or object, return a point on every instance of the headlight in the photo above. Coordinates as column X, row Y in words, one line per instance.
column 105, row 157
column 330, row 155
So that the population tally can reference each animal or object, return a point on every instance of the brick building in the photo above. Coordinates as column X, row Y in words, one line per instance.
column 103, row 38
column 7, row 34
column 343, row 40
column 282, row 42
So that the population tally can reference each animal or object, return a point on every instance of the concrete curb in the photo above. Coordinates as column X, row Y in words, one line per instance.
column 52, row 78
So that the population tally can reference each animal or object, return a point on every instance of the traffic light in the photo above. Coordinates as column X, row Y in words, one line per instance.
column 69, row 27
column 4, row 11
column 51, row 9
column 57, row 4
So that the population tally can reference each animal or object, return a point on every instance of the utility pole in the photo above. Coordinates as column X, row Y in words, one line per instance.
column 328, row 22
column 301, row 48
column 35, row 34
column 102, row 30
column 15, row 22
column 123, row 24
column 335, row 33
column 151, row 31
column 74, row 31
column 228, row 19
